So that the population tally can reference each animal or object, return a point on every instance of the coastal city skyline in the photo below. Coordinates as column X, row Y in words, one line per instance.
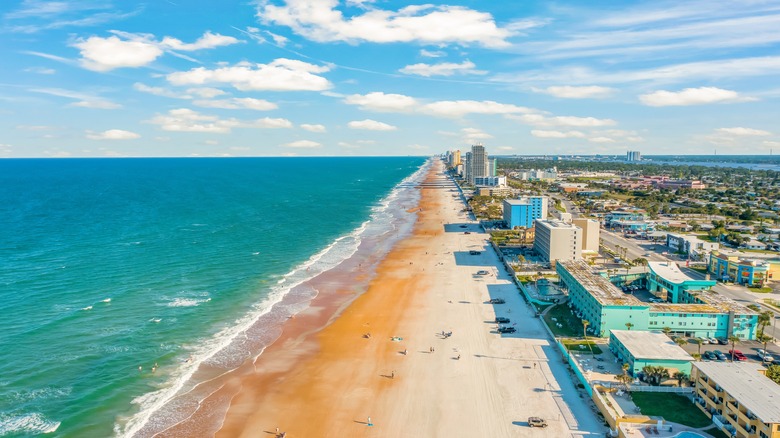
column 361, row 77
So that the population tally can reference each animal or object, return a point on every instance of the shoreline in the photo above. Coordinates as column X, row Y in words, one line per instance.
column 323, row 377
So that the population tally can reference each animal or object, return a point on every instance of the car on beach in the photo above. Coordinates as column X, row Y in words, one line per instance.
column 497, row 301
column 536, row 422
column 502, row 320
column 505, row 329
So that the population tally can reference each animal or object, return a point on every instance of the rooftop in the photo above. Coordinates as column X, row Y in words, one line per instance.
column 650, row 345
column 599, row 287
column 744, row 382
column 669, row 272
column 555, row 224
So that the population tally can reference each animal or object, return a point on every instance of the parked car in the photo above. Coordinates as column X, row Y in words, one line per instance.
column 709, row 355
column 536, row 422
column 497, row 301
column 723, row 341
column 505, row 329
column 719, row 354
column 704, row 340
column 502, row 320
column 765, row 356
column 713, row 341
column 738, row 355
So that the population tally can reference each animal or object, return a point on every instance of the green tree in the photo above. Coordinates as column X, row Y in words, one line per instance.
column 773, row 372
column 666, row 330
column 733, row 339
column 699, row 342
column 680, row 376
column 629, row 325
column 585, row 324
column 763, row 320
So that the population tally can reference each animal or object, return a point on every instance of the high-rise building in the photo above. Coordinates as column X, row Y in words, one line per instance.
column 590, row 234
column 479, row 162
column 633, row 156
column 468, row 174
column 523, row 212
column 557, row 241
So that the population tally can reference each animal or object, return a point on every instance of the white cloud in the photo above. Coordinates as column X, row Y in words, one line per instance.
column 207, row 41
column 96, row 104
column 269, row 123
column 459, row 108
column 320, row 21
column 41, row 70
column 104, row 54
column 601, row 140
column 505, row 148
column 742, row 132
column 691, row 96
column 772, row 144
column 238, row 103
column 112, row 134
column 187, row 120
column 577, row 92
column 371, row 125
column 302, row 144
column 472, row 134
column 205, row 92
column 159, row 91
column 432, row 53
column 279, row 75
column 313, row 128
column 579, row 122
column 557, row 134
column 381, row 102
column 443, row 69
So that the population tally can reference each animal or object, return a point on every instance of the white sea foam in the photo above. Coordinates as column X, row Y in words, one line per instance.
column 27, row 424
column 107, row 300
column 187, row 302
column 87, row 308
column 209, row 349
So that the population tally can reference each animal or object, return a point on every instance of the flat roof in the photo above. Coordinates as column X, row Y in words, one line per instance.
column 599, row 287
column 744, row 382
column 650, row 345
column 669, row 272
column 556, row 224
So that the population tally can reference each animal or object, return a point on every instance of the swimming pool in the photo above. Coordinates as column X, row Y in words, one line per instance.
column 688, row 434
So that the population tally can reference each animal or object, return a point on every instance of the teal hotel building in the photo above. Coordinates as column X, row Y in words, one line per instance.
column 689, row 308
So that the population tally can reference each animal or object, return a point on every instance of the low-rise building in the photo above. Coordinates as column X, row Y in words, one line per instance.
column 490, row 181
column 689, row 308
column 640, row 349
column 738, row 397
column 556, row 240
column 690, row 245
column 726, row 267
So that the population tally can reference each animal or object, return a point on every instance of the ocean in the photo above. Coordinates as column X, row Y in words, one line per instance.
column 125, row 281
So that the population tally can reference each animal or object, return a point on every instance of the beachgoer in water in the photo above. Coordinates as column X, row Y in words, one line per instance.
column 140, row 368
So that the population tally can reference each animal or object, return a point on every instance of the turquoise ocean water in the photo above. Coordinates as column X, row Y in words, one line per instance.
column 108, row 265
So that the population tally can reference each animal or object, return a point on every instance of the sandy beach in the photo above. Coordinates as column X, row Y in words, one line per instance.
column 408, row 378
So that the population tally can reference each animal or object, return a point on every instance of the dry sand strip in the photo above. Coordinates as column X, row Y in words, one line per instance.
column 473, row 383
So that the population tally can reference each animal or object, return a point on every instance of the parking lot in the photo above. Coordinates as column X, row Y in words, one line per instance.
column 748, row 348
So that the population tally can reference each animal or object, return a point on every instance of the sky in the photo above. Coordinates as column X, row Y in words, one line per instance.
column 124, row 78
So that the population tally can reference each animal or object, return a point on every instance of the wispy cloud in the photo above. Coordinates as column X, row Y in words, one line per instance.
column 305, row 144
column 371, row 125
column 82, row 99
column 442, row 69
column 279, row 75
column 112, row 134
column 692, row 96
column 572, row 92
column 34, row 16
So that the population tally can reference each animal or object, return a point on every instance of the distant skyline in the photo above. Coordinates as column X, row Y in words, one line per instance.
column 101, row 78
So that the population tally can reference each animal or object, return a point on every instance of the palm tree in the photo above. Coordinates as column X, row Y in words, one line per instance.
column 680, row 342
column 662, row 375
column 680, row 376
column 733, row 339
column 696, row 356
column 699, row 342
column 764, row 339
column 629, row 325
column 763, row 321
column 585, row 324
column 666, row 330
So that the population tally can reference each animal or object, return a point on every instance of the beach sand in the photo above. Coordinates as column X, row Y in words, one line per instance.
column 324, row 378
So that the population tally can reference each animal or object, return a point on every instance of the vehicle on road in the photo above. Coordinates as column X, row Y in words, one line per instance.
column 738, row 356
column 536, row 422
column 506, row 329
column 472, row 252
column 482, row 272
column 502, row 320
column 765, row 356
column 497, row 301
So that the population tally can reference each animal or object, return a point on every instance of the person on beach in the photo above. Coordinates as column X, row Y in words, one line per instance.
column 392, row 374
column 404, row 351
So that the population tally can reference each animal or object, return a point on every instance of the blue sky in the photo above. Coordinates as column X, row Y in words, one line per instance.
column 359, row 77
